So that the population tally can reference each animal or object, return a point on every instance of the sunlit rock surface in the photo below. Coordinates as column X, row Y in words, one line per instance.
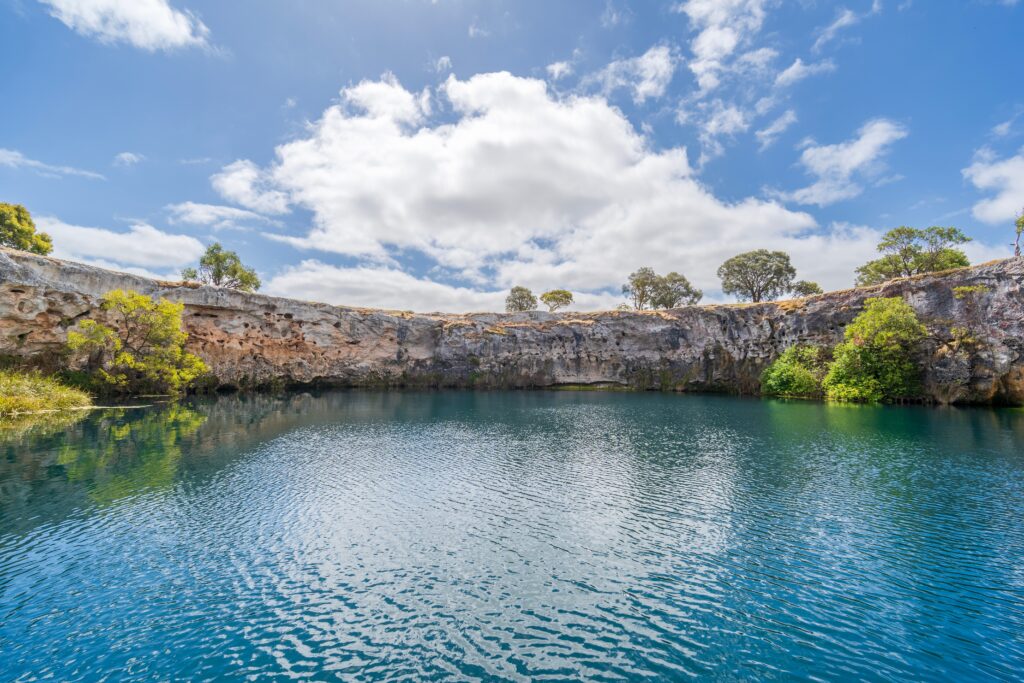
column 254, row 340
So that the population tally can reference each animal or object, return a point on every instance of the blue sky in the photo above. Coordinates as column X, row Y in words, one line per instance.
column 428, row 155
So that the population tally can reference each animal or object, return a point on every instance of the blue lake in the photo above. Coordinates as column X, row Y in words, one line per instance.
column 513, row 536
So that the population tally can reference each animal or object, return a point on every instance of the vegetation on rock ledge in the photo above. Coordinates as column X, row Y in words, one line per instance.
column 22, row 392
column 144, row 352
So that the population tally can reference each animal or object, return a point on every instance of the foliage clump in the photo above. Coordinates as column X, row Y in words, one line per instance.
column 758, row 275
column 222, row 268
column 519, row 300
column 804, row 288
column 909, row 251
column 556, row 298
column 144, row 352
column 18, row 230
column 27, row 392
column 797, row 373
column 875, row 362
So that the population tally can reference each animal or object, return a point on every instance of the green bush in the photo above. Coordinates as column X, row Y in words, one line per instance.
column 145, row 350
column 875, row 362
column 797, row 373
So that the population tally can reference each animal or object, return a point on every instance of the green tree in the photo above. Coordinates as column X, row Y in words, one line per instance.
column 674, row 290
column 18, row 230
column 807, row 288
column 908, row 251
column 520, row 299
column 756, row 276
column 1020, row 231
column 797, row 373
column 640, row 287
column 875, row 362
column 144, row 349
column 556, row 298
column 222, row 268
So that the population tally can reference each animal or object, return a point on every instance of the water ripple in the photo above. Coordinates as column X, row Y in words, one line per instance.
column 519, row 536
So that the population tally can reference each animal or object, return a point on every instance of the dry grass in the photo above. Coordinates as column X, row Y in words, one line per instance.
column 24, row 392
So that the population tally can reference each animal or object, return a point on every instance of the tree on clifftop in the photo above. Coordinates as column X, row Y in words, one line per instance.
column 757, row 276
column 807, row 288
column 909, row 251
column 640, row 287
column 520, row 299
column 222, row 268
column 1020, row 231
column 674, row 290
column 18, row 231
column 556, row 298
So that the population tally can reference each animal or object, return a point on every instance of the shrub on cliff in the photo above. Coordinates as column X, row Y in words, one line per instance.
column 875, row 362
column 144, row 352
column 18, row 231
column 797, row 373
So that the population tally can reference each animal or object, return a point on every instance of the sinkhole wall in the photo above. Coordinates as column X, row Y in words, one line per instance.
column 250, row 340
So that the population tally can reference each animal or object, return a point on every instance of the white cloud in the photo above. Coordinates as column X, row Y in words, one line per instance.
column 798, row 71
column 768, row 135
column 1004, row 177
column 243, row 182
column 559, row 70
column 477, row 31
column 647, row 76
column 722, row 26
column 142, row 246
column 147, row 24
column 128, row 159
column 214, row 216
column 377, row 287
column 518, row 185
column 14, row 159
column 845, row 18
column 443, row 64
column 838, row 167
column 614, row 16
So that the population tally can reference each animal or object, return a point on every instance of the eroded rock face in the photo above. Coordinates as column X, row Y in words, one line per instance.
column 251, row 339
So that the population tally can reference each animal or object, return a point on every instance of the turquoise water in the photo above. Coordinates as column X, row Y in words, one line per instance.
column 514, row 536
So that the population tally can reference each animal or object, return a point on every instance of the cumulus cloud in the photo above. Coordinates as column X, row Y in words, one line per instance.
column 378, row 287
column 147, row 24
column 798, row 71
column 214, row 216
column 715, row 120
column 128, row 159
column 722, row 26
column 1004, row 177
column 516, row 184
column 243, row 182
column 840, row 167
column 647, row 76
column 767, row 136
column 138, row 250
column 14, row 159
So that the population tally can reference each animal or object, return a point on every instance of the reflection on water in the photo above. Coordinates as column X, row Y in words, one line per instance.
column 513, row 535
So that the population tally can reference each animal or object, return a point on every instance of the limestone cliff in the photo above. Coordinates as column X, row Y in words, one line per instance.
column 251, row 339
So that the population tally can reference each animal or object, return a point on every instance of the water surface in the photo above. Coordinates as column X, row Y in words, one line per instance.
column 513, row 536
